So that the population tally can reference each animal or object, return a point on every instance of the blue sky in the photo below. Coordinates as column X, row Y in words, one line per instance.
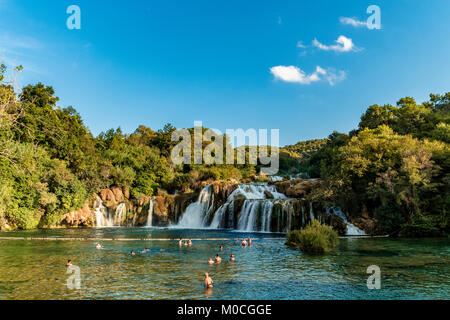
column 153, row 62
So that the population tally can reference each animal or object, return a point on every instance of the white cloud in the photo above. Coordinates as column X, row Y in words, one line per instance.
column 344, row 44
column 14, row 42
column 353, row 22
column 334, row 77
column 296, row 75
column 300, row 44
column 19, row 50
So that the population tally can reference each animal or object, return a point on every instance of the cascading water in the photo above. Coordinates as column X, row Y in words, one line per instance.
column 351, row 229
column 197, row 214
column 119, row 214
column 101, row 214
column 252, row 207
column 256, row 212
column 150, row 212
column 105, row 218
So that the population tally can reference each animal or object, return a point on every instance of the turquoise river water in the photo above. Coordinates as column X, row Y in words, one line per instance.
column 36, row 268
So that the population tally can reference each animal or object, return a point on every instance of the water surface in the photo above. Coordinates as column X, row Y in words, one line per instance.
column 35, row 269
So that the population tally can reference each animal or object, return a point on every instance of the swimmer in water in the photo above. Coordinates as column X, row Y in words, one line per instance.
column 208, row 281
column 211, row 261
column 180, row 243
column 99, row 246
column 132, row 253
column 244, row 243
column 221, row 248
column 147, row 250
column 190, row 242
column 249, row 242
column 218, row 258
column 232, row 257
column 69, row 263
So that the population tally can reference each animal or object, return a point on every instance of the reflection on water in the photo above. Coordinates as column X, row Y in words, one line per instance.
column 33, row 269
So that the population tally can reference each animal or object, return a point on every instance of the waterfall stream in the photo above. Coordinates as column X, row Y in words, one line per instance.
column 351, row 229
column 105, row 217
column 198, row 213
column 150, row 213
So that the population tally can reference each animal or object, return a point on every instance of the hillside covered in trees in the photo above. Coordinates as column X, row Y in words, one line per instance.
column 394, row 167
column 50, row 163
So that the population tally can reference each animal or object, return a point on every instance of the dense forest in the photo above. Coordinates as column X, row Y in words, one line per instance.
column 394, row 166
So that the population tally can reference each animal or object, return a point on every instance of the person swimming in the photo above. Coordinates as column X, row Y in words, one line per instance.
column 132, row 253
column 185, row 243
column 190, row 242
column 232, row 257
column 69, row 263
column 221, row 248
column 147, row 250
column 249, row 242
column 218, row 258
column 208, row 281
column 244, row 243
column 180, row 243
column 211, row 261
column 99, row 246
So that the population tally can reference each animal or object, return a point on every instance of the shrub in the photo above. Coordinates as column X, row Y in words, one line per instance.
column 316, row 238
column 419, row 226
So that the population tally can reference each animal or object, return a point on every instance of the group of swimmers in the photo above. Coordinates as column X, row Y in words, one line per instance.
column 218, row 259
column 188, row 243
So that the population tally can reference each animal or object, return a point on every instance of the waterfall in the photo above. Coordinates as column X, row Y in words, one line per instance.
column 256, row 191
column 197, row 214
column 256, row 213
column 266, row 216
column 351, row 229
column 311, row 211
column 247, row 216
column 105, row 217
column 150, row 212
column 119, row 214
column 219, row 216
column 102, row 218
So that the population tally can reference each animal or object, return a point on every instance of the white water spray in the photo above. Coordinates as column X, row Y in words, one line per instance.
column 150, row 212
column 197, row 214
column 351, row 229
